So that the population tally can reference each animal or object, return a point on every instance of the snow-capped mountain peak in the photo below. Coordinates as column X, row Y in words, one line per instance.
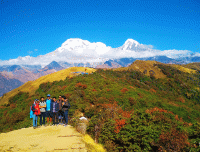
column 74, row 43
column 130, row 44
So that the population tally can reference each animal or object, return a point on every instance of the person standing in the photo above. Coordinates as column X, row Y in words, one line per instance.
column 42, row 106
column 65, row 107
column 36, row 111
column 60, row 112
column 55, row 108
column 49, row 103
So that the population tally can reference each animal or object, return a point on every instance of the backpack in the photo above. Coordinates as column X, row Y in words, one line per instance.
column 31, row 112
column 33, row 107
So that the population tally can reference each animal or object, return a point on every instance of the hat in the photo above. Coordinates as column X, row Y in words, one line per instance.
column 48, row 95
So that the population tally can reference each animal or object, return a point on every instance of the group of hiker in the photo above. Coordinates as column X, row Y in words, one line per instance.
column 52, row 109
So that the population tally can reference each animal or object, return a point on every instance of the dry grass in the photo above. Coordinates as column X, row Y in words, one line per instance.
column 91, row 145
column 142, row 66
column 183, row 69
column 32, row 86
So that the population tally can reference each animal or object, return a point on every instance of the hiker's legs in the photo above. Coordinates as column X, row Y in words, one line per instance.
column 48, row 114
column 41, row 119
column 34, row 120
column 51, row 117
column 44, row 115
column 66, row 117
column 54, row 115
column 62, row 116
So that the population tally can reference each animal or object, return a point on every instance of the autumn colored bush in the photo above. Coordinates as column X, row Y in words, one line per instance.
column 181, row 99
column 63, row 88
column 124, row 90
column 156, row 109
column 152, row 90
column 173, row 140
column 119, row 124
column 80, row 85
column 140, row 95
column 5, row 112
column 131, row 100
column 131, row 87
column 12, row 105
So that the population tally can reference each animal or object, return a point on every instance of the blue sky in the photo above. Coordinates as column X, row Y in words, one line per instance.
column 35, row 28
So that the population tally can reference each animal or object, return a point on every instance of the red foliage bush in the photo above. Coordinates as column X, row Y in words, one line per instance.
column 108, row 90
column 94, row 90
column 67, row 95
column 157, row 109
column 108, row 105
column 131, row 100
column 152, row 90
column 173, row 140
column 5, row 112
column 176, row 117
column 119, row 124
column 181, row 99
column 125, row 114
column 63, row 88
column 140, row 95
column 124, row 90
column 13, row 105
column 83, row 86
column 78, row 85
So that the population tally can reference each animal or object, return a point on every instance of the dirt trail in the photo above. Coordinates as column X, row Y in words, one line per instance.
column 50, row 138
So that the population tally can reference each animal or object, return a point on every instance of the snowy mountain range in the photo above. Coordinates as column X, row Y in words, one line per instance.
column 78, row 52
column 75, row 52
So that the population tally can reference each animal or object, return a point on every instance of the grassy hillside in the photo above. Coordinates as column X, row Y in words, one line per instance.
column 32, row 86
column 194, row 66
column 128, row 110
column 145, row 67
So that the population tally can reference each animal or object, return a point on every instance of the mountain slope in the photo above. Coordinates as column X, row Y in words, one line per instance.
column 146, row 67
column 7, row 84
column 53, row 65
column 128, row 110
column 32, row 86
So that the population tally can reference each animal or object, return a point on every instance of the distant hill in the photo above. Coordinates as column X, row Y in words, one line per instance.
column 195, row 66
column 32, row 86
column 53, row 65
column 25, row 73
column 7, row 84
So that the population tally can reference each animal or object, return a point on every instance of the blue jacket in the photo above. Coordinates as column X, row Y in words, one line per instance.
column 51, row 105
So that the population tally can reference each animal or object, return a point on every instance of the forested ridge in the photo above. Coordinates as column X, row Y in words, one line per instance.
column 128, row 110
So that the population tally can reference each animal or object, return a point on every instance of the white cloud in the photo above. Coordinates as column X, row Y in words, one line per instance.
column 176, row 53
column 77, row 51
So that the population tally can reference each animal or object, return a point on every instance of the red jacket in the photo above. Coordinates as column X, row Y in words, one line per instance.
column 37, row 111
